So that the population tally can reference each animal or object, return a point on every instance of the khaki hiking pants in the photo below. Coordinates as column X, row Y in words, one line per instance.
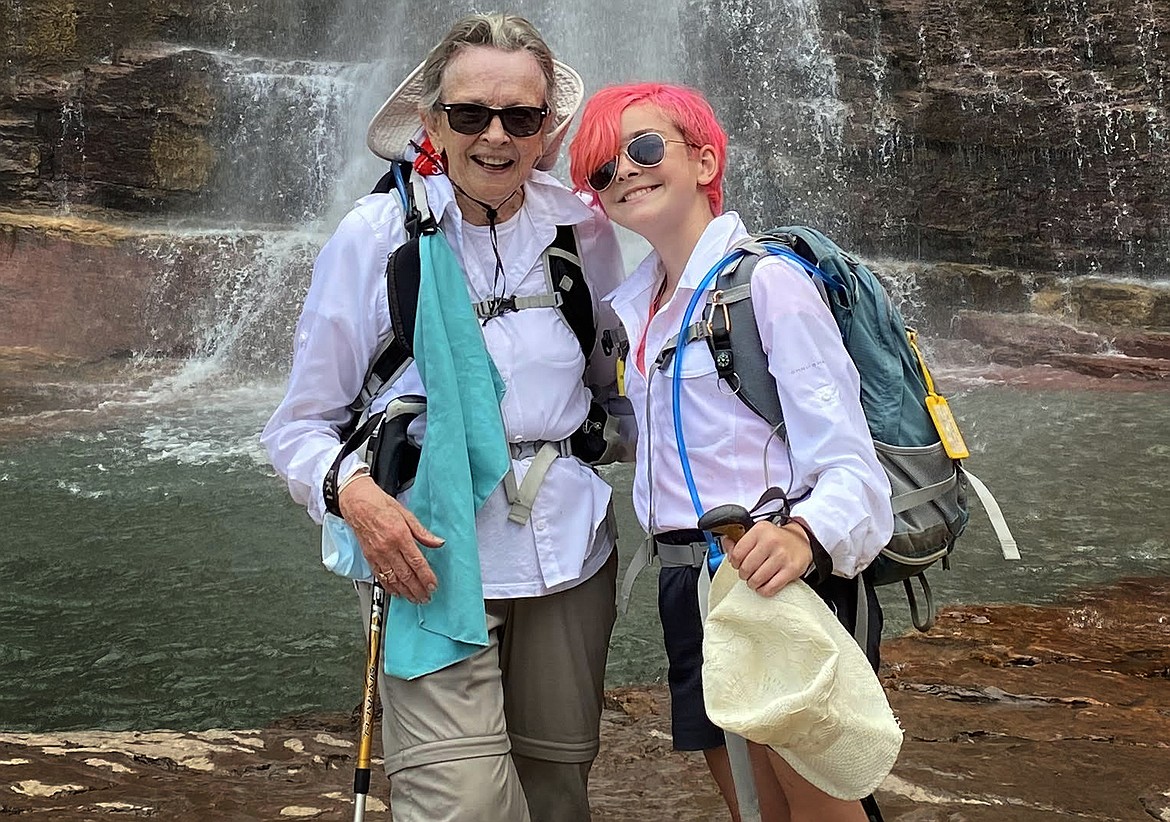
column 509, row 734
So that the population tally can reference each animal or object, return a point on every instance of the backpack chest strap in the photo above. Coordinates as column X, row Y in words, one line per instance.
column 697, row 330
column 497, row 306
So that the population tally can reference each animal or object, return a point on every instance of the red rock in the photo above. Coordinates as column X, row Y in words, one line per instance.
column 1012, row 713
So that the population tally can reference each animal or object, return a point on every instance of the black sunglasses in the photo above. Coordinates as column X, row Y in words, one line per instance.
column 472, row 118
column 646, row 150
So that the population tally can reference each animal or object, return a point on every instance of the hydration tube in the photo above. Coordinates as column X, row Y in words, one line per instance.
column 791, row 256
column 400, row 184
column 714, row 553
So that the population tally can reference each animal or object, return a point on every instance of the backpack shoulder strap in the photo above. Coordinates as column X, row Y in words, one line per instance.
column 739, row 358
column 566, row 280
column 403, row 270
column 567, row 291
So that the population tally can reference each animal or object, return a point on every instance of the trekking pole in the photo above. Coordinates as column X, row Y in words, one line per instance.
column 361, row 774
column 733, row 521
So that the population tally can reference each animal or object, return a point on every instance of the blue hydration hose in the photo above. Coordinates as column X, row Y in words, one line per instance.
column 715, row 553
column 400, row 184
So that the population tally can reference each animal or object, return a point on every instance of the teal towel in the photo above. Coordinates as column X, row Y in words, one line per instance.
column 464, row 457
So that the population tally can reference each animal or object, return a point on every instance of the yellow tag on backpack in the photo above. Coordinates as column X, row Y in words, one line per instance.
column 936, row 406
column 948, row 429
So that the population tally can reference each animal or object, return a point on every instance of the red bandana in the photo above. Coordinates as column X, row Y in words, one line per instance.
column 425, row 163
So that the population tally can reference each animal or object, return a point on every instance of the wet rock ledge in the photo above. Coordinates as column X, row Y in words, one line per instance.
column 1012, row 713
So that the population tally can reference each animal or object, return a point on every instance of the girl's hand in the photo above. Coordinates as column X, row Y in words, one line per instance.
column 770, row 556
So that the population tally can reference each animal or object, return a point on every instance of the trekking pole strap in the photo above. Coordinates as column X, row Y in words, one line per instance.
column 330, row 486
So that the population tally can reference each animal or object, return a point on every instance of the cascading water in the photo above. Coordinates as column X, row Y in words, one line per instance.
column 295, row 160
column 71, row 147
column 775, row 83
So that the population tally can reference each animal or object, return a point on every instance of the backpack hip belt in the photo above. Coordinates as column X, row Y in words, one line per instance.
column 522, row 497
column 683, row 548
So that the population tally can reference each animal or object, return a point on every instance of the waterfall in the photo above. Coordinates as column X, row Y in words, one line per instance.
column 774, row 81
column 295, row 160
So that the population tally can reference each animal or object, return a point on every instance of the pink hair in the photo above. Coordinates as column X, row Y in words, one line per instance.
column 599, row 138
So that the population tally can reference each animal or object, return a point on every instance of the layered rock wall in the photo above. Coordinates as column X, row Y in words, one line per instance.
column 1029, row 135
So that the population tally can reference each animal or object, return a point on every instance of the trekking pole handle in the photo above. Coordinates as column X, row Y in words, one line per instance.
column 727, row 520
column 731, row 521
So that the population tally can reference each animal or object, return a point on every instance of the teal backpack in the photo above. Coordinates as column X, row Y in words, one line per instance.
column 905, row 414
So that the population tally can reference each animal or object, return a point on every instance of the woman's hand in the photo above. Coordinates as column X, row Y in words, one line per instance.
column 390, row 535
column 769, row 556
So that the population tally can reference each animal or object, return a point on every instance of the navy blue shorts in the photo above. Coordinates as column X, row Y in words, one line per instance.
column 682, row 633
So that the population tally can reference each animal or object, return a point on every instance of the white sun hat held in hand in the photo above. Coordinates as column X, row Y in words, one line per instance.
column 783, row 672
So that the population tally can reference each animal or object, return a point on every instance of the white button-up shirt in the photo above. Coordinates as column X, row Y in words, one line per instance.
column 828, row 449
column 346, row 314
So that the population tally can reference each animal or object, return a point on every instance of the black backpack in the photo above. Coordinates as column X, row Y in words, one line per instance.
column 393, row 462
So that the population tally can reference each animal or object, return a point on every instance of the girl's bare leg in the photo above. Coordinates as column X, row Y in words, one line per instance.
column 808, row 803
column 773, row 805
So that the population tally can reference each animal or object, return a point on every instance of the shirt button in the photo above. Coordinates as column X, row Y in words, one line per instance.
column 540, row 525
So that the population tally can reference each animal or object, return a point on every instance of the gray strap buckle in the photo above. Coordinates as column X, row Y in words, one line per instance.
column 523, row 496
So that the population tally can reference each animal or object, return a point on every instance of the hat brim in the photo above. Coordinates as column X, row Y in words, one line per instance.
column 398, row 122
column 782, row 671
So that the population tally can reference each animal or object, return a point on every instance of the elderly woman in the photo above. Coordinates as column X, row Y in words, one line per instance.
column 509, row 732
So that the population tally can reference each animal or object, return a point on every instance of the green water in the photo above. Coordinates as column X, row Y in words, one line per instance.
column 154, row 573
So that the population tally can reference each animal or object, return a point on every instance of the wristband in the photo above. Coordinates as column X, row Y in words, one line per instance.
column 821, row 567
column 358, row 473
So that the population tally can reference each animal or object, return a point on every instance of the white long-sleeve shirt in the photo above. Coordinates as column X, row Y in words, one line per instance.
column 540, row 360
column 828, row 448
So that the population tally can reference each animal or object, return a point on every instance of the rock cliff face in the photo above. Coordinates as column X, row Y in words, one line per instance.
column 1002, row 147
column 1030, row 135
column 130, row 136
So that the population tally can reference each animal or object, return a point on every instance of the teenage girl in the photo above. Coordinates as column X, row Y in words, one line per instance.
column 652, row 157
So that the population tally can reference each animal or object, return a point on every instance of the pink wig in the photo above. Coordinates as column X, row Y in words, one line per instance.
column 599, row 139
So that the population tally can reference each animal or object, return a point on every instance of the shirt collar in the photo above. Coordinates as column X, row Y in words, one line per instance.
column 719, row 235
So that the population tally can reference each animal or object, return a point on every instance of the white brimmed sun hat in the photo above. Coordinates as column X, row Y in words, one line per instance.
column 397, row 121
column 783, row 672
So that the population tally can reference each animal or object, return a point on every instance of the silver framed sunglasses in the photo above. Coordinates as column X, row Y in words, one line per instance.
column 646, row 150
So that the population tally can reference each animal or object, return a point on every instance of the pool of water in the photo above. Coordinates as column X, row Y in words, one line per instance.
column 154, row 572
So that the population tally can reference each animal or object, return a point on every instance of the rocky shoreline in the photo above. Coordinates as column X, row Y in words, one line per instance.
column 1012, row 713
